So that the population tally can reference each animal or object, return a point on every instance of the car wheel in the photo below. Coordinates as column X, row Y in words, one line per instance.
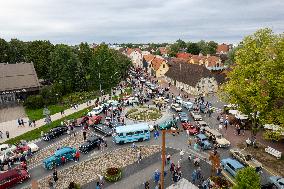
column 140, row 139
column 121, row 142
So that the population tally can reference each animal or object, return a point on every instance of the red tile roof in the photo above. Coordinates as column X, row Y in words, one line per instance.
column 163, row 50
column 212, row 61
column 184, row 55
column 129, row 51
column 197, row 58
column 148, row 57
column 156, row 63
column 222, row 48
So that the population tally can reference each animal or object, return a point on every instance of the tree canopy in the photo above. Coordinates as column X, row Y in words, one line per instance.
column 247, row 178
column 256, row 83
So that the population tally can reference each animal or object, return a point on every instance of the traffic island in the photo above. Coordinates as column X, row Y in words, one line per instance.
column 113, row 174
column 143, row 114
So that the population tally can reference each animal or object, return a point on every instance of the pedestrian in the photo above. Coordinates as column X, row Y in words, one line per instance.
column 7, row 134
column 175, row 178
column 181, row 154
column 189, row 142
column 156, row 134
column 63, row 160
column 198, row 173
column 193, row 176
column 55, row 176
column 133, row 145
column 19, row 122
column 30, row 122
column 22, row 122
column 139, row 156
column 77, row 156
column 168, row 159
column 156, row 176
column 34, row 123
column 101, row 180
column 98, row 185
column 147, row 185
column 172, row 168
column 84, row 134
column 1, row 134
column 102, row 146
column 50, row 183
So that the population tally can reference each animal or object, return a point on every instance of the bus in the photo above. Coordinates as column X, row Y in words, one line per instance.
column 131, row 133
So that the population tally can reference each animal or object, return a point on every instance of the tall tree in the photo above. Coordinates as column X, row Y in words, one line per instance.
column 4, row 51
column 193, row 48
column 231, row 56
column 247, row 178
column 256, row 83
column 17, row 51
column 39, row 52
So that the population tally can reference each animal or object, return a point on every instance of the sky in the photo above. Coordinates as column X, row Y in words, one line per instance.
column 137, row 21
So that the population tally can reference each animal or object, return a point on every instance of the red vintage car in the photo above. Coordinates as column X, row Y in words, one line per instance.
column 90, row 120
column 95, row 120
column 192, row 129
column 12, row 177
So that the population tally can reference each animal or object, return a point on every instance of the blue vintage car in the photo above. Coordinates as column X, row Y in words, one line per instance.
column 231, row 165
column 203, row 142
column 55, row 159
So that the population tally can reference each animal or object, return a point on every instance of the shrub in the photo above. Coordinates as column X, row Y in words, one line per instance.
column 113, row 174
column 34, row 102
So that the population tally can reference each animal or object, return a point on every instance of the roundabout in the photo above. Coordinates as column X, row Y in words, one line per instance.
column 143, row 114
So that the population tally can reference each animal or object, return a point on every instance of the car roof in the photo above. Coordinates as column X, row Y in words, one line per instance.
column 234, row 163
column 8, row 173
column 201, row 136
column 63, row 150
column 132, row 128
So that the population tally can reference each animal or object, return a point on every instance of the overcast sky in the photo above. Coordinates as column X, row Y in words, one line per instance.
column 73, row 21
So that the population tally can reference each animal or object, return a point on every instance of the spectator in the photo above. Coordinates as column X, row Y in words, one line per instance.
column 7, row 134
column 1, row 134
column 84, row 134
column 181, row 154
column 77, row 156
column 55, row 176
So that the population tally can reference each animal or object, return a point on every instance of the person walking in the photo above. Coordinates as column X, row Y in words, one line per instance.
column 63, row 160
column 189, row 142
column 85, row 135
column 50, row 183
column 156, row 176
column 172, row 168
column 98, row 185
column 19, row 122
column 147, row 185
column 1, row 134
column 77, row 156
column 7, row 134
column 156, row 134
column 193, row 176
column 139, row 156
column 55, row 177
column 22, row 122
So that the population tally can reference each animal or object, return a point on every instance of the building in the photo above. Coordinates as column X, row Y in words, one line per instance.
column 164, row 51
column 147, row 60
column 159, row 66
column 223, row 48
column 192, row 78
column 184, row 55
column 136, row 57
column 197, row 59
column 17, row 81
column 214, row 63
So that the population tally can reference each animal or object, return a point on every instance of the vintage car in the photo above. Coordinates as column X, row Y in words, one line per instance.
column 204, row 143
column 7, row 154
column 95, row 111
column 231, row 165
column 24, row 146
column 245, row 158
column 4, row 147
column 176, row 107
column 161, row 100
column 277, row 181
column 188, row 126
column 202, row 123
column 167, row 124
column 188, row 105
column 103, row 129
column 220, row 140
column 55, row 160
column 13, row 177
column 196, row 116
column 178, row 100
column 54, row 133
column 91, row 143
column 183, row 117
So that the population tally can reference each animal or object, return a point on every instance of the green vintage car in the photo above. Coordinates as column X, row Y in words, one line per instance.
column 167, row 124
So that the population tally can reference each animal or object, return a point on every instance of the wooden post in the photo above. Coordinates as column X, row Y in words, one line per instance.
column 163, row 157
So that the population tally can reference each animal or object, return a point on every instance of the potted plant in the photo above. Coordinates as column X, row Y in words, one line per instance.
column 113, row 174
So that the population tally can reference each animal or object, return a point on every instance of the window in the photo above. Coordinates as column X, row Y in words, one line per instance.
column 164, row 65
column 120, row 134
column 145, row 131
column 129, row 134
column 138, row 132
column 231, row 167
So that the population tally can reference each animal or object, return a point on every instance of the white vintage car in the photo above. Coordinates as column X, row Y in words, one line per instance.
column 176, row 107
column 95, row 111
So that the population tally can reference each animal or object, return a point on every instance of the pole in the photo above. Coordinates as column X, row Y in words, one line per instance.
column 163, row 157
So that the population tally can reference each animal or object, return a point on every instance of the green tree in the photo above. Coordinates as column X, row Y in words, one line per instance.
column 181, row 44
column 39, row 52
column 207, row 47
column 4, row 51
column 174, row 49
column 193, row 48
column 231, row 56
column 17, row 51
column 256, row 83
column 212, row 46
column 247, row 178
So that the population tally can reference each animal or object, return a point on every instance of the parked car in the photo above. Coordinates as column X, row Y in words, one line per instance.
column 24, row 147
column 277, row 181
column 220, row 140
column 95, row 111
column 176, row 107
column 103, row 129
column 54, row 133
column 196, row 116
column 188, row 126
column 7, row 154
column 91, row 143
column 245, row 158
column 55, row 160
column 13, row 177
column 167, row 124
column 204, row 143
column 161, row 100
column 188, row 105
column 183, row 117
column 231, row 165
column 178, row 100
column 4, row 147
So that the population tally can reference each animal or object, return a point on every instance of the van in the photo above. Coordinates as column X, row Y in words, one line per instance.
column 12, row 177
column 231, row 165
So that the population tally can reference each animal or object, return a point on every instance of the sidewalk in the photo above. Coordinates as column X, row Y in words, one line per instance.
column 14, row 130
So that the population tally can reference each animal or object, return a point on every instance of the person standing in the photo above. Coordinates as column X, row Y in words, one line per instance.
column 98, row 185
column 22, row 122
column 7, row 134
column 1, row 134
column 193, row 176
column 84, row 134
column 19, row 122
column 77, row 156
column 55, row 176
column 147, row 185
column 139, row 156
column 181, row 154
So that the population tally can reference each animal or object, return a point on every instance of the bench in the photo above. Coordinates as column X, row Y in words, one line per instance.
column 273, row 152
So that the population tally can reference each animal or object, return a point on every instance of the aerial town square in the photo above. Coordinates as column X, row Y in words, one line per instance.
column 152, row 94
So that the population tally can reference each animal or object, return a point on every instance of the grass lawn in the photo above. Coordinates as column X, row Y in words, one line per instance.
column 36, row 133
column 37, row 113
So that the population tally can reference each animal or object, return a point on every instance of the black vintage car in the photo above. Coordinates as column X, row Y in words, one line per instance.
column 103, row 129
column 91, row 143
column 54, row 133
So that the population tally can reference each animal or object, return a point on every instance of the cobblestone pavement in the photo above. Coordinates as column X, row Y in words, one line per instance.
column 88, row 170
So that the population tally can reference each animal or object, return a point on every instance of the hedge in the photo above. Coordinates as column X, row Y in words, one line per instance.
column 36, row 133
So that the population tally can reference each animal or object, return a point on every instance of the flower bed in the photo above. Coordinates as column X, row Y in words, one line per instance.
column 113, row 174
column 144, row 114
